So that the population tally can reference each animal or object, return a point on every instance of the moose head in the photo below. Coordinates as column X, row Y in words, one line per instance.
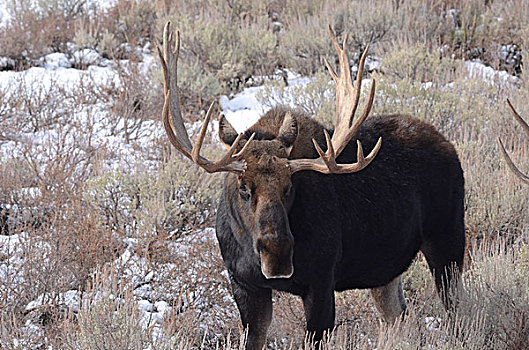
column 510, row 163
column 261, row 165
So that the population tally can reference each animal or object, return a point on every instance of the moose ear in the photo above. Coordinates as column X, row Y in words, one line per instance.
column 227, row 133
column 288, row 132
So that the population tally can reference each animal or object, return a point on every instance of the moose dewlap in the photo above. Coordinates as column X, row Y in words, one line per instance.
column 304, row 211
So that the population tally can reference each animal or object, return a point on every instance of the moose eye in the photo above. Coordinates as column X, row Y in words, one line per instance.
column 244, row 192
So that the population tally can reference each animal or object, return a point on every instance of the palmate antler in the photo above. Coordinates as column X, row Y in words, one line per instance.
column 347, row 98
column 174, row 123
column 510, row 163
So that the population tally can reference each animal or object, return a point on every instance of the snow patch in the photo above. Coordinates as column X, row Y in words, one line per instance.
column 55, row 61
column 86, row 57
column 243, row 110
column 70, row 299
column 433, row 323
column 477, row 69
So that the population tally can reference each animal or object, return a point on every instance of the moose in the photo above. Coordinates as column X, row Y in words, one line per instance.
column 508, row 159
column 310, row 220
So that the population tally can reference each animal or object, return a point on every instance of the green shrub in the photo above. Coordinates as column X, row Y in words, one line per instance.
column 305, row 39
column 193, row 80
column 38, row 27
column 232, row 53
column 416, row 63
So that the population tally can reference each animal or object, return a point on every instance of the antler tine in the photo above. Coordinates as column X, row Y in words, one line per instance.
column 331, row 70
column 243, row 151
column 169, row 62
column 347, row 98
column 518, row 118
column 358, row 85
column 511, row 165
column 329, row 166
column 172, row 116
column 342, row 56
column 195, row 154
column 343, row 81
column 169, row 127
column 508, row 159
column 365, row 113
column 346, row 126
column 328, row 157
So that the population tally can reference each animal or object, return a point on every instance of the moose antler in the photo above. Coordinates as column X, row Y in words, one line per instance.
column 172, row 116
column 510, row 163
column 347, row 98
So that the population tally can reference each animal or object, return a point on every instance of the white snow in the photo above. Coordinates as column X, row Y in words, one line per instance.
column 50, row 79
column 243, row 110
column 86, row 57
column 55, row 60
column 70, row 299
column 477, row 69
column 432, row 323
column 4, row 15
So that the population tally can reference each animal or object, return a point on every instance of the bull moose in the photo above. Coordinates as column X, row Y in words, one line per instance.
column 296, row 217
column 508, row 160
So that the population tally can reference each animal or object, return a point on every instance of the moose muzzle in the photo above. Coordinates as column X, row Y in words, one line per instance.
column 275, row 243
column 276, row 257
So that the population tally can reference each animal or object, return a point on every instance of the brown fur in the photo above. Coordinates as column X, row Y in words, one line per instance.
column 401, row 127
column 267, row 128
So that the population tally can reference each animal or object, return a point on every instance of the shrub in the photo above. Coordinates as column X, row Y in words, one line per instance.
column 417, row 64
column 175, row 199
column 108, row 322
column 305, row 41
column 234, row 53
column 45, row 26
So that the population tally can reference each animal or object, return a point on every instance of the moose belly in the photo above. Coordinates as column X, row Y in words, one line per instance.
column 374, row 265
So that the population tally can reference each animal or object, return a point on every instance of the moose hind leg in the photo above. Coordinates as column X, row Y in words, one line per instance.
column 446, row 266
column 448, row 282
column 389, row 301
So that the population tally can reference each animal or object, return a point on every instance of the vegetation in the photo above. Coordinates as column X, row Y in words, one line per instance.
column 73, row 213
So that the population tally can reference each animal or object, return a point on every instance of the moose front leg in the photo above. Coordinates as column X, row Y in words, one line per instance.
column 319, row 311
column 255, row 307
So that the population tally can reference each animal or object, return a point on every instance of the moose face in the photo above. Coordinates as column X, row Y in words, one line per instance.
column 264, row 195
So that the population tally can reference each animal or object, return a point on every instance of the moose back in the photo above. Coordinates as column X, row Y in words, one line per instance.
column 296, row 217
